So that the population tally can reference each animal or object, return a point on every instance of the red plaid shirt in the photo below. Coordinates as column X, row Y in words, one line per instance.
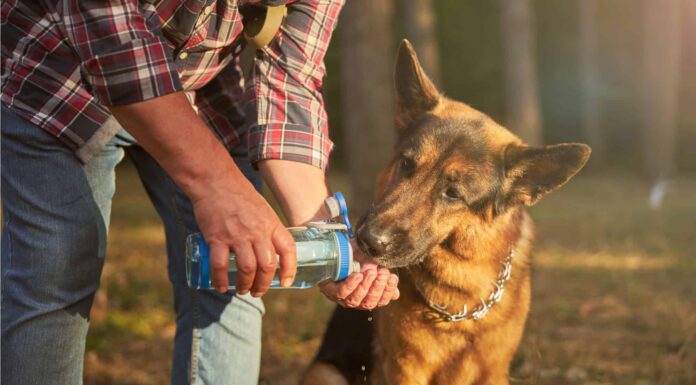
column 64, row 60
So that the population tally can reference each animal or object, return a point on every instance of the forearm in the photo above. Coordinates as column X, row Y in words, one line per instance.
column 171, row 131
column 229, row 212
column 299, row 188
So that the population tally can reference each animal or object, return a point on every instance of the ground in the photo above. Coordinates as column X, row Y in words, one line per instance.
column 614, row 294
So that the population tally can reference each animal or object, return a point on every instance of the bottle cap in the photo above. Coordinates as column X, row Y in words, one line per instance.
column 345, row 255
column 333, row 207
column 343, row 210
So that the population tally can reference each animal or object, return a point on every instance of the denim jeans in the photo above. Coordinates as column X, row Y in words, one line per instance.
column 55, row 219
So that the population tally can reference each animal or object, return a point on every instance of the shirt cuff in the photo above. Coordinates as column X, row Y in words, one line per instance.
column 139, row 70
column 293, row 142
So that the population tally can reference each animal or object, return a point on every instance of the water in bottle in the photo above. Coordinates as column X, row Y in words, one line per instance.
column 322, row 253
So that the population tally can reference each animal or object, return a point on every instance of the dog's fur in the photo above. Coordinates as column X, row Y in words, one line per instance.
column 449, row 208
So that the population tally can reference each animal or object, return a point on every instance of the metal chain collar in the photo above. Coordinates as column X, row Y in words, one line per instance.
column 481, row 309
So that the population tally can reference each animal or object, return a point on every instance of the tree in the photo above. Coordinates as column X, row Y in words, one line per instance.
column 660, row 86
column 589, row 79
column 521, row 89
column 367, row 102
column 419, row 20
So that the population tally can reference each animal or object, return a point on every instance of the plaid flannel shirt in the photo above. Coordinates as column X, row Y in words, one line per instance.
column 63, row 61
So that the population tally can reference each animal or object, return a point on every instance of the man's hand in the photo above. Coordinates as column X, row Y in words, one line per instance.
column 231, row 214
column 246, row 224
column 370, row 288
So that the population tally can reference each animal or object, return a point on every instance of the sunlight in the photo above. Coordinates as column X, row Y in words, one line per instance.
column 632, row 261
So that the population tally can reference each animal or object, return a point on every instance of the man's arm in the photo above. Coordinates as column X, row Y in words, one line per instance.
column 289, row 139
column 129, row 69
column 229, row 211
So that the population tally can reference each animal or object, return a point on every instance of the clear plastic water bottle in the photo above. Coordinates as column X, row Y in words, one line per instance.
column 323, row 252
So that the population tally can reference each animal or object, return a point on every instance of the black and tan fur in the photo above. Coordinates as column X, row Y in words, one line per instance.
column 448, row 209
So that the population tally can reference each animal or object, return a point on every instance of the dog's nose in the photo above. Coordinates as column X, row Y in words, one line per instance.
column 374, row 242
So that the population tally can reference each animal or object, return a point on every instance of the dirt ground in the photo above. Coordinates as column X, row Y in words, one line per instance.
column 614, row 297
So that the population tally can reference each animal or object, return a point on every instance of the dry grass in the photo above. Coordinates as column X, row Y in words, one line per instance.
column 614, row 294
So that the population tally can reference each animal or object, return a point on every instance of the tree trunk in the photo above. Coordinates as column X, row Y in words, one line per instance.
column 590, row 81
column 519, row 55
column 660, row 86
column 419, row 20
column 367, row 101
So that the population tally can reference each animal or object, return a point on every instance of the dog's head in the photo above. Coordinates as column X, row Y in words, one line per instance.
column 453, row 166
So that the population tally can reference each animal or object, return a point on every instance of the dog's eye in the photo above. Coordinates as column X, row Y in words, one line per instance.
column 407, row 165
column 452, row 193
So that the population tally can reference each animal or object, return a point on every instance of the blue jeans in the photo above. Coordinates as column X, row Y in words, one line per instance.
column 55, row 219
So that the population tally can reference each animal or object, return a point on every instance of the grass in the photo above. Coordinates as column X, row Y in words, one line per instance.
column 614, row 294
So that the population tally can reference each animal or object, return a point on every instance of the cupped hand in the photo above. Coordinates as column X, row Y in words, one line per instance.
column 372, row 287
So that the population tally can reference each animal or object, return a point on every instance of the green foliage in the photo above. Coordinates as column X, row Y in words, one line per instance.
column 472, row 71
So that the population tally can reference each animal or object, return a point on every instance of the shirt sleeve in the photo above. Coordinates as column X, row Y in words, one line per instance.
column 124, row 58
column 284, row 93
column 219, row 103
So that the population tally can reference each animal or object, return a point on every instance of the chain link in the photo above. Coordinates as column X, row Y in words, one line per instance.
column 481, row 309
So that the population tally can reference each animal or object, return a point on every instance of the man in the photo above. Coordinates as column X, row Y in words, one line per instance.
column 75, row 73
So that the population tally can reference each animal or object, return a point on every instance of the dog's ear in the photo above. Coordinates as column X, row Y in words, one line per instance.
column 532, row 172
column 415, row 92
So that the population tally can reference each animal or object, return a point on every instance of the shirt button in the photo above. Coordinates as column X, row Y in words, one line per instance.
column 183, row 55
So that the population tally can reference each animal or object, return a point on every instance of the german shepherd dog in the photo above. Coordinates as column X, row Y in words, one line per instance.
column 450, row 215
